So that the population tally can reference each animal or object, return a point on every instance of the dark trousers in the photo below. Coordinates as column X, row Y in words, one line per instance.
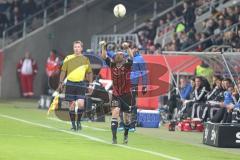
column 227, row 118
column 173, row 103
column 218, row 117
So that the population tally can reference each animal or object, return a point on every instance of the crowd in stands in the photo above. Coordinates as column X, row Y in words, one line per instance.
column 216, row 30
column 216, row 102
column 13, row 12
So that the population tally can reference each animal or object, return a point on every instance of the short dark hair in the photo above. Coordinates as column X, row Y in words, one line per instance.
column 192, row 78
column 199, row 77
column 227, row 79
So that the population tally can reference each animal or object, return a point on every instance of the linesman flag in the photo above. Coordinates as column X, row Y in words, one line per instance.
column 54, row 104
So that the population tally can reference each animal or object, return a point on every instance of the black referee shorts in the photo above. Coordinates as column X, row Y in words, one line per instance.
column 75, row 90
column 123, row 102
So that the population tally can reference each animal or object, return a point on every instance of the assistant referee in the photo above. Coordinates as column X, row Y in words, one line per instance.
column 77, row 70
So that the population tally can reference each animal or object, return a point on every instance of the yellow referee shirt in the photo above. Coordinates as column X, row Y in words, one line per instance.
column 76, row 67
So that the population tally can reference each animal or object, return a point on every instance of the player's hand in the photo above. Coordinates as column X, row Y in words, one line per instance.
column 144, row 90
column 125, row 45
column 103, row 43
column 60, row 87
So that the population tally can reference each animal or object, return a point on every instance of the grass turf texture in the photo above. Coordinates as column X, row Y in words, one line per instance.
column 28, row 133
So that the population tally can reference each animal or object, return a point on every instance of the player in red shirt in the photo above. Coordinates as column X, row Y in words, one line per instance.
column 122, row 97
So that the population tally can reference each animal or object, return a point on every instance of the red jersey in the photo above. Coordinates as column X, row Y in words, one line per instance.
column 120, row 77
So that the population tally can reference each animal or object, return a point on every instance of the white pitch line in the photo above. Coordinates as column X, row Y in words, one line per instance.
column 31, row 136
column 91, row 138
column 93, row 128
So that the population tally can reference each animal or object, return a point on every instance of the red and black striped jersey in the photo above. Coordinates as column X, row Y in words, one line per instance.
column 120, row 76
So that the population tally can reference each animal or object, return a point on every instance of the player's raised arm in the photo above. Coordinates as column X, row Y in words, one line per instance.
column 103, row 46
column 89, row 73
column 125, row 46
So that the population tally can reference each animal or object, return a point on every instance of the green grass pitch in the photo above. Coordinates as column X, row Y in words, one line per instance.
column 28, row 133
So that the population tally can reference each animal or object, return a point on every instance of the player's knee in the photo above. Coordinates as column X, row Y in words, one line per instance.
column 115, row 112
column 72, row 106
column 80, row 103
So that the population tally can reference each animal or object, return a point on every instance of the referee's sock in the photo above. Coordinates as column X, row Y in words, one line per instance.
column 72, row 118
column 114, row 125
column 79, row 116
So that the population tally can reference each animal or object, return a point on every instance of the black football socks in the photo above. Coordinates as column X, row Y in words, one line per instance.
column 72, row 118
column 114, row 126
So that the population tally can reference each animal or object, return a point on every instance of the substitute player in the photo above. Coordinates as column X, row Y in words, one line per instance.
column 122, row 97
column 76, row 69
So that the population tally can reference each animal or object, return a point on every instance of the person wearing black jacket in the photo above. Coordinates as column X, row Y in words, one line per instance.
column 197, row 97
column 218, row 117
column 189, row 16
column 214, row 99
column 200, row 92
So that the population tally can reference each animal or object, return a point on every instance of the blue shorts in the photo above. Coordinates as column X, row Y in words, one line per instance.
column 75, row 90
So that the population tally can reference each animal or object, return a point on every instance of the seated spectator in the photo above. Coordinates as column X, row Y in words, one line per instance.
column 235, row 109
column 226, row 85
column 185, row 89
column 197, row 98
column 178, row 96
column 209, row 28
column 229, row 101
column 214, row 99
column 184, row 41
column 231, row 15
column 220, row 25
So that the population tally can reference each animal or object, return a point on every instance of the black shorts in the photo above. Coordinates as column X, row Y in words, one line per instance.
column 75, row 90
column 123, row 102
